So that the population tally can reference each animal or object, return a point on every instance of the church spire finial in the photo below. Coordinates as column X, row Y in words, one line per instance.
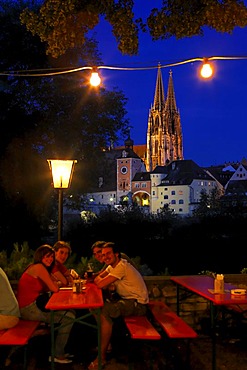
column 159, row 96
column 170, row 99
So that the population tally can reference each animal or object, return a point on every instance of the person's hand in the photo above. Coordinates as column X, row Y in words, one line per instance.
column 59, row 283
column 56, row 281
column 111, row 287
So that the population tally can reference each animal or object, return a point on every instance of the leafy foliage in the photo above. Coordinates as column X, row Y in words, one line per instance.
column 20, row 257
column 208, row 273
column 63, row 25
column 15, row 262
column 68, row 23
column 209, row 204
column 181, row 18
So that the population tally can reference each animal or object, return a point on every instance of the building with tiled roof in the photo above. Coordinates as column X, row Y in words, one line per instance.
column 155, row 175
column 180, row 186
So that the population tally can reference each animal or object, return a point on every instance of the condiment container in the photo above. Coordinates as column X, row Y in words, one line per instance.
column 219, row 286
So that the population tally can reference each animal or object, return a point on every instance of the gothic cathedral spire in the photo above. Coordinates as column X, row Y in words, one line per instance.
column 164, row 134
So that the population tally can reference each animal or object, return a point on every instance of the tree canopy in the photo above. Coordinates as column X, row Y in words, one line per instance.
column 45, row 117
column 63, row 25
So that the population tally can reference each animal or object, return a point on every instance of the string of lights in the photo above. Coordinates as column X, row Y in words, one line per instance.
column 37, row 72
column 186, row 61
column 206, row 68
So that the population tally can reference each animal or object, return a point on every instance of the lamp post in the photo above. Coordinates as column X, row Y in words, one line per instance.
column 62, row 172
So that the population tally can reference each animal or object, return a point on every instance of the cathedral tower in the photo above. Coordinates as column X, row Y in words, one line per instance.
column 164, row 133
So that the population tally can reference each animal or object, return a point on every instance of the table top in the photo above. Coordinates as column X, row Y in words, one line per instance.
column 204, row 286
column 91, row 298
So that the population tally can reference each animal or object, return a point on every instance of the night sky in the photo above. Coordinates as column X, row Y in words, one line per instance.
column 213, row 112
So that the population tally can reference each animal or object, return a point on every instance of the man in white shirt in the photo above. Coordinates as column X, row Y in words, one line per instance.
column 129, row 285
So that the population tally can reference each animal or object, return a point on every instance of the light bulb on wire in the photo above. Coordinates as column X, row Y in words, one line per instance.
column 206, row 70
column 95, row 79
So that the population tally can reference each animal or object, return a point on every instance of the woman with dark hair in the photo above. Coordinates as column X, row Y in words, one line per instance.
column 35, row 281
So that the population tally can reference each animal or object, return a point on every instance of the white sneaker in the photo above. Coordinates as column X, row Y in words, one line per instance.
column 61, row 360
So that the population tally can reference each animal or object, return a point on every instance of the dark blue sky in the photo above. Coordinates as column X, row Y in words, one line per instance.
column 213, row 112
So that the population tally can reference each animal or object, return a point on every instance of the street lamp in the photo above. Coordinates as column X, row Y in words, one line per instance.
column 62, row 172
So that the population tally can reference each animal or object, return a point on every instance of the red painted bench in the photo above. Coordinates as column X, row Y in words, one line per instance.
column 173, row 325
column 140, row 327
column 19, row 335
column 170, row 322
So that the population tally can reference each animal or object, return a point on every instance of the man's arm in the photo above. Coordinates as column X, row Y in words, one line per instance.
column 103, row 281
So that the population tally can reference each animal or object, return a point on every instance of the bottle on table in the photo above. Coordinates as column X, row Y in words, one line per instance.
column 89, row 272
column 219, row 286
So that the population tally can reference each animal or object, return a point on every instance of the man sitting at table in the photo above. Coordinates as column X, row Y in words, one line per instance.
column 129, row 285
column 97, row 253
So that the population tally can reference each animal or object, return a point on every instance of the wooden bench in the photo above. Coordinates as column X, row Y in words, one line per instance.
column 144, row 327
column 140, row 327
column 19, row 335
column 172, row 324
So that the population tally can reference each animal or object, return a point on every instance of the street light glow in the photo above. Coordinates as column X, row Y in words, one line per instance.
column 61, row 172
column 95, row 80
column 206, row 70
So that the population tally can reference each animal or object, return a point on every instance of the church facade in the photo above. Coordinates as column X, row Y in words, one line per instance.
column 155, row 175
column 164, row 133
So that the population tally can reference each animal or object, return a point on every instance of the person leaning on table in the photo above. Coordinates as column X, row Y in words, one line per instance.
column 97, row 253
column 59, row 271
column 132, row 291
column 9, row 308
column 34, row 281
